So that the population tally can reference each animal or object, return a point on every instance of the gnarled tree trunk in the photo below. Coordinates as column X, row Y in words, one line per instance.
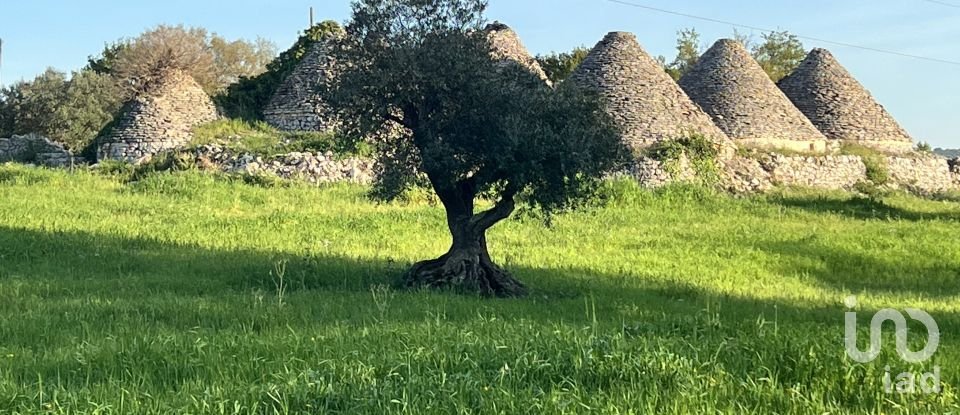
column 467, row 266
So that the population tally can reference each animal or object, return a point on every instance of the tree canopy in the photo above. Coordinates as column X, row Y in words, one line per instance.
column 417, row 79
column 559, row 66
column 778, row 54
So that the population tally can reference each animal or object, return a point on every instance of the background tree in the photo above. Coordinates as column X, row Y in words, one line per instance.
column 233, row 60
column 149, row 58
column 474, row 128
column 779, row 54
column 559, row 66
column 105, row 63
column 213, row 61
column 71, row 112
column 90, row 101
column 38, row 103
column 688, row 53
column 745, row 39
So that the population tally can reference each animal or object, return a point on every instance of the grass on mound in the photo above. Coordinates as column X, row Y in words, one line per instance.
column 261, row 139
column 192, row 293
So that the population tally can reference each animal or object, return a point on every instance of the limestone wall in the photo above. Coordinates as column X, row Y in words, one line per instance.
column 928, row 174
column 158, row 120
column 307, row 166
column 916, row 173
column 36, row 149
column 826, row 172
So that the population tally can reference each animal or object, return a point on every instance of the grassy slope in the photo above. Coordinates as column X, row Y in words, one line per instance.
column 162, row 296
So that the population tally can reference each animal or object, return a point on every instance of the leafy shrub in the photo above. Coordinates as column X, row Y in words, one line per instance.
column 923, row 147
column 69, row 111
column 699, row 150
column 876, row 162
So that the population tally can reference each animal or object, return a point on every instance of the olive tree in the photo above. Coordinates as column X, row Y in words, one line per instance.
column 417, row 79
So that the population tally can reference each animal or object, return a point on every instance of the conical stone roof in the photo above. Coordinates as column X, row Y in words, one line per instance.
column 732, row 87
column 507, row 47
column 647, row 104
column 160, row 119
column 840, row 106
column 297, row 106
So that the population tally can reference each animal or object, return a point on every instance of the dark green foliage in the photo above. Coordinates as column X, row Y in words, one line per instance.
column 459, row 125
column 418, row 80
column 106, row 62
column 779, row 54
column 699, row 151
column 71, row 112
column 38, row 102
column 91, row 101
column 876, row 162
column 10, row 97
column 924, row 147
column 247, row 97
column 559, row 66
column 688, row 53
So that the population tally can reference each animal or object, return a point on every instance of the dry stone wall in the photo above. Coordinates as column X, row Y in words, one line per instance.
column 298, row 105
column 840, row 106
column 36, row 149
column 827, row 172
column 916, row 173
column 158, row 120
column 312, row 167
column 730, row 86
column 922, row 174
column 647, row 104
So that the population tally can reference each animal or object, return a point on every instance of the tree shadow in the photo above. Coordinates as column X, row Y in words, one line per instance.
column 72, row 264
column 862, row 208
column 924, row 274
column 88, row 285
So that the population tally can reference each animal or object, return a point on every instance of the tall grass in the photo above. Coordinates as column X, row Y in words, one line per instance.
column 190, row 293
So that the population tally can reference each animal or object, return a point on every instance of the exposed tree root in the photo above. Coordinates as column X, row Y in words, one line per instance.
column 465, row 270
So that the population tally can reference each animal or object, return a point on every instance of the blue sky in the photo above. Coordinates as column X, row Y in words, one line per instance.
column 923, row 96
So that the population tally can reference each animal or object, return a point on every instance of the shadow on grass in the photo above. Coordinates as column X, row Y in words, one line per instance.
column 859, row 208
column 924, row 274
column 73, row 265
column 72, row 286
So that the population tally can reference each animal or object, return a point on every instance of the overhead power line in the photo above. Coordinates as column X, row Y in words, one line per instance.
column 943, row 3
column 761, row 29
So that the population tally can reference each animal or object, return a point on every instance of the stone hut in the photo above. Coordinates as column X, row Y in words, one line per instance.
column 840, row 106
column 297, row 104
column 647, row 104
column 508, row 48
column 36, row 149
column 732, row 87
column 160, row 119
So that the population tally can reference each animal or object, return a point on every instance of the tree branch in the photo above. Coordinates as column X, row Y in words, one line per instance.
column 500, row 211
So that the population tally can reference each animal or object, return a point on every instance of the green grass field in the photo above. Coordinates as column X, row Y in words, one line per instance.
column 190, row 293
